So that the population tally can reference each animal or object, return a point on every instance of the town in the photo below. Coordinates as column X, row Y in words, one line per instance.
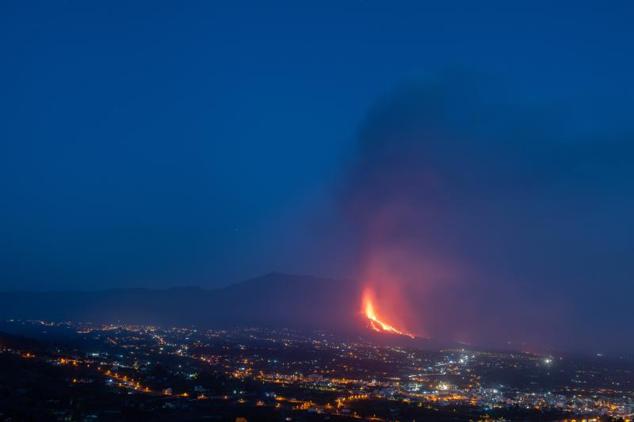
column 81, row 371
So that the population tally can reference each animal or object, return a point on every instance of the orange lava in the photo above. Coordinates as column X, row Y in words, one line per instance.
column 374, row 321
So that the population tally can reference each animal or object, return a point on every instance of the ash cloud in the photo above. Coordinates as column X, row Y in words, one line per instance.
column 485, row 219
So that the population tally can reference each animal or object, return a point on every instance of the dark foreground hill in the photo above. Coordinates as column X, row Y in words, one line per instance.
column 271, row 300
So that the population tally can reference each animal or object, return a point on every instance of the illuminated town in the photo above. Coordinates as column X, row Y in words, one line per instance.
column 76, row 371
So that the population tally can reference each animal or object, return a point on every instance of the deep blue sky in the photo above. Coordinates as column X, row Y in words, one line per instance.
column 165, row 143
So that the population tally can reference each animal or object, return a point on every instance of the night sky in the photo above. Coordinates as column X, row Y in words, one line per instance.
column 477, row 155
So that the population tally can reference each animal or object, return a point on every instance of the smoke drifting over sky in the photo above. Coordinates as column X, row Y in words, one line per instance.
column 150, row 144
column 485, row 220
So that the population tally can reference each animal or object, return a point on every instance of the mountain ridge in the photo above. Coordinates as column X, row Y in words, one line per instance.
column 273, row 299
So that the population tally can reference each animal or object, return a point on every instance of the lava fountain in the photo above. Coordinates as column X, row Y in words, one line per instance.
column 374, row 322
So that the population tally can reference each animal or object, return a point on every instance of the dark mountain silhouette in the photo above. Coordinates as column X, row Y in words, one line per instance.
column 273, row 300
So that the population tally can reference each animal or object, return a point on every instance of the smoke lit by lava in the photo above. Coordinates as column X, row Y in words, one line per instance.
column 374, row 322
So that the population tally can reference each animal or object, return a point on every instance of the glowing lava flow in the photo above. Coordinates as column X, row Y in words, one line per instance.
column 375, row 323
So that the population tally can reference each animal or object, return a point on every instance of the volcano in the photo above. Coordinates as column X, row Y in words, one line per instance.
column 374, row 321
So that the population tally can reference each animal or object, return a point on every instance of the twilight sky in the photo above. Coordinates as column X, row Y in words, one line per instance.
column 157, row 144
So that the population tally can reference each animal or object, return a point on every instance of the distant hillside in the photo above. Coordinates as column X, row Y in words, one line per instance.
column 12, row 341
column 272, row 300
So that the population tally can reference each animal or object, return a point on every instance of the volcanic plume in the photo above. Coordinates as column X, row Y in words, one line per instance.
column 466, row 217
column 375, row 322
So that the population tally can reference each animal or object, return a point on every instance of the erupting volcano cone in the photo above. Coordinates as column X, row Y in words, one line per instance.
column 374, row 322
